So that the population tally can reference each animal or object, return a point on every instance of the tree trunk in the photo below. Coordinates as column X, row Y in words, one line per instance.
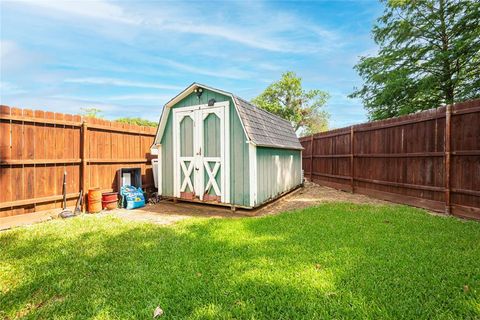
column 448, row 88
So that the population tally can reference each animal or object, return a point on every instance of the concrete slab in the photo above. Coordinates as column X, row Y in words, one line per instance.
column 25, row 219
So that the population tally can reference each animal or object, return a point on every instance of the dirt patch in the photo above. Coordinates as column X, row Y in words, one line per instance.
column 167, row 212
column 312, row 194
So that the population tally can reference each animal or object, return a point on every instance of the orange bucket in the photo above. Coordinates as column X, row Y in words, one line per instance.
column 94, row 200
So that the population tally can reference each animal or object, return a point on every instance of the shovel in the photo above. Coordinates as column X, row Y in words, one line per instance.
column 65, row 213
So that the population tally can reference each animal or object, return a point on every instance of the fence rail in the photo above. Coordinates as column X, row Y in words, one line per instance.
column 430, row 159
column 37, row 147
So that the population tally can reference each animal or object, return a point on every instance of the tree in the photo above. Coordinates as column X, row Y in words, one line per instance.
column 429, row 54
column 137, row 121
column 92, row 112
column 287, row 99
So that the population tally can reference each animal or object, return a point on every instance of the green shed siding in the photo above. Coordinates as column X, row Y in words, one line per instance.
column 278, row 170
column 211, row 136
column 239, row 173
column 167, row 158
column 186, row 137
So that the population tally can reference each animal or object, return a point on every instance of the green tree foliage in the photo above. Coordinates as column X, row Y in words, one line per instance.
column 288, row 99
column 429, row 54
column 137, row 121
column 91, row 112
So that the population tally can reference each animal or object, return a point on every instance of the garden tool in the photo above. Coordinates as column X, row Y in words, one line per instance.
column 65, row 213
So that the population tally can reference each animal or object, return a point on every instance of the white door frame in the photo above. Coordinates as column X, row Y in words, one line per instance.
column 178, row 116
column 198, row 113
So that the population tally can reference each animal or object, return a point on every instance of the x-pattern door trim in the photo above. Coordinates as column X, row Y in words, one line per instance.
column 187, row 173
column 212, row 174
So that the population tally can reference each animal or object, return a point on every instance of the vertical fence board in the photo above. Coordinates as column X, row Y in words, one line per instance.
column 5, row 154
column 84, row 145
column 16, row 135
column 448, row 129
column 5, row 150
column 51, row 170
column 40, row 173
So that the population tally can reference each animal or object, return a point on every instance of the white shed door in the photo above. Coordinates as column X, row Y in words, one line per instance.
column 201, row 145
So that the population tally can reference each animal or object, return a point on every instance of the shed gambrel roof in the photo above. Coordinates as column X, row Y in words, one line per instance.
column 262, row 128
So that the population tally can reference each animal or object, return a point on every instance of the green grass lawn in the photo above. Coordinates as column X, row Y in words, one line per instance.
column 331, row 261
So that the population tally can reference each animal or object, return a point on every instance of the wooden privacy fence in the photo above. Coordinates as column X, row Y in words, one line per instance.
column 37, row 147
column 430, row 159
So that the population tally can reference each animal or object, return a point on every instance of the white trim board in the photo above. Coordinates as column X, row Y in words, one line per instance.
column 159, row 171
column 252, row 161
column 226, row 159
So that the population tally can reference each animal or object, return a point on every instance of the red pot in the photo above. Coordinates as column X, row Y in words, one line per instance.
column 109, row 200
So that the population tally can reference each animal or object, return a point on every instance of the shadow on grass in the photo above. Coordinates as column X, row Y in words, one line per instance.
column 333, row 261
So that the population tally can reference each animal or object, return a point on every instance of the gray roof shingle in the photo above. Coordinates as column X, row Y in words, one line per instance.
column 264, row 128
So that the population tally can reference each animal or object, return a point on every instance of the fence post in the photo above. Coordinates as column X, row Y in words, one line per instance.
column 311, row 158
column 447, row 148
column 352, row 161
column 83, row 155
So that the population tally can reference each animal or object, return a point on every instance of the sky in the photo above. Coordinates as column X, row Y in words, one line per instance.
column 128, row 58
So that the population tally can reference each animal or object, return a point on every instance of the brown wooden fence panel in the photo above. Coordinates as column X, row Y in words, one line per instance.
column 465, row 162
column 429, row 159
column 37, row 147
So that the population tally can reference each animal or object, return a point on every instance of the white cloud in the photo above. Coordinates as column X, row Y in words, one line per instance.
column 58, row 104
column 7, row 88
column 262, row 28
column 126, row 99
column 94, row 9
column 7, row 48
column 121, row 83
column 231, row 73
column 250, row 38
column 13, row 57
column 159, row 99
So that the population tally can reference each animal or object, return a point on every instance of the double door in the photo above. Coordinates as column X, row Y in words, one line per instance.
column 201, row 144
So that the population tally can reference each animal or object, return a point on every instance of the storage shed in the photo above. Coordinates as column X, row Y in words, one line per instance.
column 215, row 147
